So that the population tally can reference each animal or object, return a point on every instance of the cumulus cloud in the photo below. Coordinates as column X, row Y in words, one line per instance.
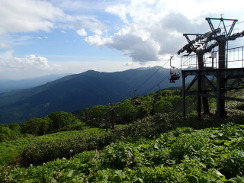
column 146, row 34
column 41, row 15
column 98, row 41
column 27, row 15
column 81, row 32
column 143, row 41
column 135, row 43
column 28, row 63
column 120, row 11
column 92, row 25
column 152, row 29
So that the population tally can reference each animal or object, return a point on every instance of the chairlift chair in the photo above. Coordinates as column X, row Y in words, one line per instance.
column 137, row 102
column 173, row 75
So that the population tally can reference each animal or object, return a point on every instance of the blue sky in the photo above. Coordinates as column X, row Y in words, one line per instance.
column 41, row 37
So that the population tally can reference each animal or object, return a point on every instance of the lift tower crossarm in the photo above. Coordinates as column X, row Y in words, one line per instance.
column 202, row 39
column 228, row 33
column 191, row 42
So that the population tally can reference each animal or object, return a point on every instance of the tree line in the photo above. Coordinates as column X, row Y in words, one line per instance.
column 131, row 109
column 103, row 116
column 56, row 121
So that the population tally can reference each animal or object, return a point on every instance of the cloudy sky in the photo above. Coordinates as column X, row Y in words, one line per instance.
column 40, row 37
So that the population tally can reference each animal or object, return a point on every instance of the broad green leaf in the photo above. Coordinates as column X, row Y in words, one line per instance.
column 219, row 148
column 224, row 155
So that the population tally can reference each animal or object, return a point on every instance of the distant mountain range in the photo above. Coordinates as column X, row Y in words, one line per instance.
column 12, row 85
column 79, row 91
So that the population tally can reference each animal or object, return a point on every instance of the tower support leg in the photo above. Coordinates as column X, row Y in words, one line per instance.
column 221, row 81
column 199, row 102
column 184, row 95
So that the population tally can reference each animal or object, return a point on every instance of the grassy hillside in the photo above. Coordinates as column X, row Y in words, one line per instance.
column 10, row 150
column 181, row 155
column 143, row 139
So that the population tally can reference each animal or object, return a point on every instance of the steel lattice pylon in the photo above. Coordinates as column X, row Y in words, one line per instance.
column 202, row 44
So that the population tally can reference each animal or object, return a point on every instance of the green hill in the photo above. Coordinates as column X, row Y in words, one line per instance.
column 79, row 91
column 182, row 155
column 148, row 141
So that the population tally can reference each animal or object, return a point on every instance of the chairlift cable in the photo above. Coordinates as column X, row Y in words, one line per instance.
column 230, row 25
column 133, row 93
column 164, row 78
column 146, row 80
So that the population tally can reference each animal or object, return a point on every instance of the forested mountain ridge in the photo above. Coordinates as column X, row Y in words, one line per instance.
column 148, row 141
column 79, row 91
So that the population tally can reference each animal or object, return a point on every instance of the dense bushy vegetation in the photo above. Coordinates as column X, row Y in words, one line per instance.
column 181, row 155
column 10, row 150
column 9, row 132
column 103, row 116
column 56, row 121
column 41, row 152
column 130, row 110
column 146, row 140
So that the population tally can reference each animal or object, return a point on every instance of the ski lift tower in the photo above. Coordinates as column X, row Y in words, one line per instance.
column 226, row 78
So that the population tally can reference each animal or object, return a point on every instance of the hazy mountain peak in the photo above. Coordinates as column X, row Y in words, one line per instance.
column 79, row 91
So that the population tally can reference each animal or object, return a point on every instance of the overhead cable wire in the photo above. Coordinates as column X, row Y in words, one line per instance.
column 145, row 81
column 164, row 78
column 139, row 86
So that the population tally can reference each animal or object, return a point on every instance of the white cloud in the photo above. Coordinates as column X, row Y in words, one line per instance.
column 101, row 66
column 127, row 64
column 85, row 6
column 30, row 63
column 145, row 30
column 98, row 41
column 119, row 10
column 136, row 43
column 94, row 26
column 4, row 46
column 81, row 32
column 86, row 23
column 153, row 29
column 27, row 16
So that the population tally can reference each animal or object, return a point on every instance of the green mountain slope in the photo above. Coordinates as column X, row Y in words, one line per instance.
column 80, row 91
column 164, row 147
column 181, row 155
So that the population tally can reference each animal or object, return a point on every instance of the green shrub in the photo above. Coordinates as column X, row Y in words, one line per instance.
column 9, row 132
column 41, row 152
column 188, row 143
column 182, row 155
column 233, row 164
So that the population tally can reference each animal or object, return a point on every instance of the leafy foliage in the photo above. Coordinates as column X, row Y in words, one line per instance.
column 9, row 132
column 56, row 121
column 10, row 150
column 40, row 152
column 133, row 109
column 211, row 155
column 148, row 146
